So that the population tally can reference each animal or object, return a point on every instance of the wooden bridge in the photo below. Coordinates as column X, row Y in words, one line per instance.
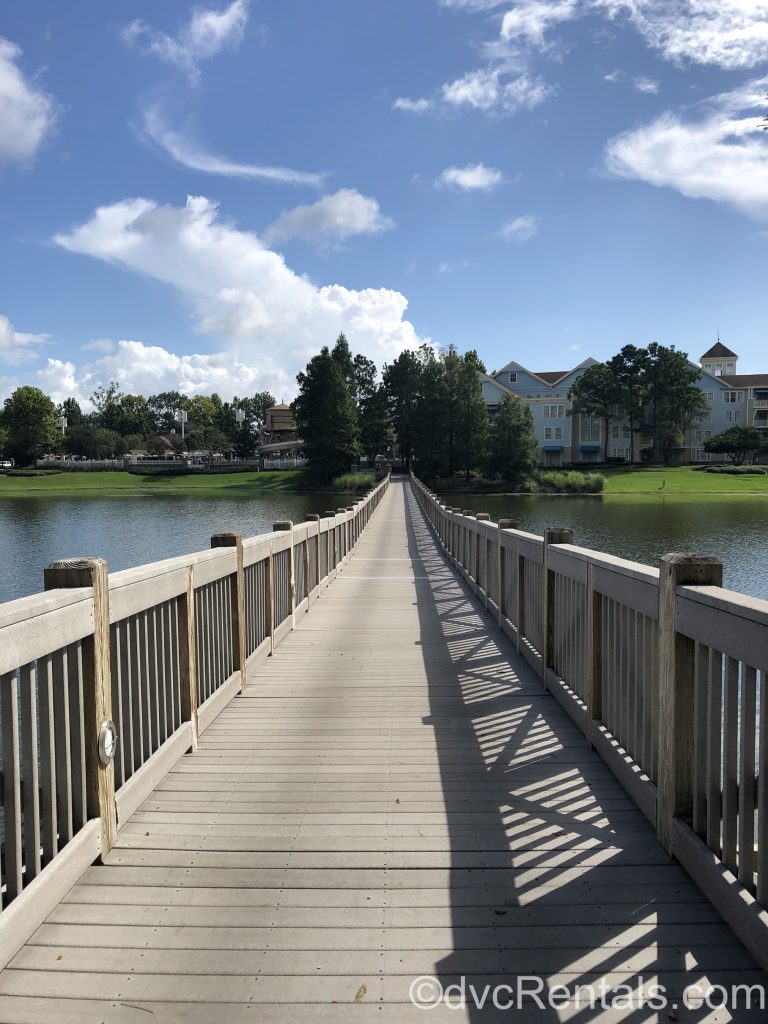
column 471, row 758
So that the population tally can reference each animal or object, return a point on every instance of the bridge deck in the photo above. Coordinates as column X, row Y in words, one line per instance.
column 394, row 796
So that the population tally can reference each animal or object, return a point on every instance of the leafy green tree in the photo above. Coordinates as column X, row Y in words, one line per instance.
column 29, row 416
column 163, row 408
column 326, row 418
column 513, row 448
column 630, row 367
column 596, row 393
column 376, row 432
column 433, row 443
column 673, row 402
column 472, row 425
column 106, row 401
column 739, row 444
column 92, row 442
column 402, row 384
column 134, row 416
column 70, row 408
column 472, row 357
column 3, row 439
column 255, row 407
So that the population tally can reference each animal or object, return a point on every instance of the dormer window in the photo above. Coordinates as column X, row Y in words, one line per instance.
column 718, row 369
column 513, row 377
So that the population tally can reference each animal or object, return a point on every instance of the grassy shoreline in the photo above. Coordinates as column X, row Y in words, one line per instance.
column 114, row 484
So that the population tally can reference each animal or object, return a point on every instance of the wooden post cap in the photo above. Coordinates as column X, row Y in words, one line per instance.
column 225, row 540
column 507, row 524
column 691, row 568
column 558, row 535
column 284, row 524
column 329, row 512
column 312, row 517
column 72, row 572
column 468, row 512
column 483, row 517
column 342, row 509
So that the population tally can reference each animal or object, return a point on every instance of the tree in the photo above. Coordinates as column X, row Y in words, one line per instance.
column 342, row 353
column 597, row 393
column 256, row 407
column 375, row 425
column 672, row 401
column 29, row 416
column 402, row 381
column 513, row 446
column 106, row 400
column 163, row 407
column 433, row 444
column 739, row 444
column 70, row 408
column 326, row 418
column 92, row 442
column 630, row 368
column 470, row 431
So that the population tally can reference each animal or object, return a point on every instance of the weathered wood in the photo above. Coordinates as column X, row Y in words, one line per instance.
column 97, row 687
column 237, row 601
column 676, row 679
column 593, row 655
column 552, row 535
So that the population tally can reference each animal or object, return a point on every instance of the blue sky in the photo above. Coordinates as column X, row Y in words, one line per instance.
column 542, row 180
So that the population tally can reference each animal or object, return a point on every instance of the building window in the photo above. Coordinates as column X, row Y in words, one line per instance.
column 730, row 367
column 710, row 397
column 554, row 412
column 553, row 433
column 718, row 369
column 591, row 429
column 513, row 377
column 732, row 397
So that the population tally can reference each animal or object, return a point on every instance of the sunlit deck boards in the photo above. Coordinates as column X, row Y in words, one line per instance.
column 394, row 796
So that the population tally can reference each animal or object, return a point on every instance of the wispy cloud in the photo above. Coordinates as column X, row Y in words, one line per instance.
column 472, row 178
column 186, row 150
column 420, row 106
column 713, row 152
column 496, row 90
column 520, row 229
column 640, row 84
column 330, row 220
column 207, row 33
column 27, row 114
column 450, row 267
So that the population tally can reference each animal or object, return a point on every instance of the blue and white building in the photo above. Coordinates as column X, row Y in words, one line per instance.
column 733, row 400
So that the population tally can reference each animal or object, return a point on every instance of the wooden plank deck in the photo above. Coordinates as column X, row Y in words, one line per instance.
column 394, row 796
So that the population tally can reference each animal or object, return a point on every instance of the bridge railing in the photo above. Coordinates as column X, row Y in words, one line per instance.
column 158, row 651
column 665, row 672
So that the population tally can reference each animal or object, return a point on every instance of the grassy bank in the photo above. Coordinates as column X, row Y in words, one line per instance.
column 83, row 484
column 685, row 481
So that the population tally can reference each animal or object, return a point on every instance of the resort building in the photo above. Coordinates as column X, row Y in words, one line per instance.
column 733, row 399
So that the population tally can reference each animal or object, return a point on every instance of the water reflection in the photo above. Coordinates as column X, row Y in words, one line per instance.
column 734, row 531
column 131, row 529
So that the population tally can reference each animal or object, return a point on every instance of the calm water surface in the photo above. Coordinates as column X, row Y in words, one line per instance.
column 131, row 529
column 736, row 531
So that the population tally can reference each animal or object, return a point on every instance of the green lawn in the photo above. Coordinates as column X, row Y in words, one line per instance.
column 658, row 481
column 90, row 484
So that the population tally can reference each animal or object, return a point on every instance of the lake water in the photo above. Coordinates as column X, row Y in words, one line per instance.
column 735, row 531
column 133, row 529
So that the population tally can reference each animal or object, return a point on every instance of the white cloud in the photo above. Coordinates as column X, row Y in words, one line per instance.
column 717, row 154
column 472, row 178
column 330, row 220
column 99, row 345
column 420, row 106
column 239, row 289
column 207, row 33
column 528, row 21
column 520, row 229
column 726, row 33
column 496, row 90
column 17, row 346
column 185, row 150
column 149, row 369
column 450, row 268
column 27, row 114
column 647, row 85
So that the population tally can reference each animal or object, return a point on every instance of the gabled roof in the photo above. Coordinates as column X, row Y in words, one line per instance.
column 719, row 350
column 552, row 376
column 746, row 380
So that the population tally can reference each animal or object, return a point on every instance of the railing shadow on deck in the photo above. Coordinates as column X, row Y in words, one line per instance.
column 555, row 874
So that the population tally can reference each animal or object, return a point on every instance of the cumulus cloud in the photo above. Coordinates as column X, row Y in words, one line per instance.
column 184, row 149
column 17, row 346
column 207, row 33
column 519, row 229
column 713, row 153
column 472, row 178
column 148, row 369
column 529, row 21
column 330, row 220
column 27, row 114
column 239, row 289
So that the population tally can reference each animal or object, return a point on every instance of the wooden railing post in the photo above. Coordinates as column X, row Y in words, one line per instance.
column 676, row 690
column 287, row 525
column 237, row 601
column 552, row 535
column 468, row 558
column 593, row 655
column 313, row 517
column 501, row 564
column 332, row 558
column 188, row 656
column 482, row 517
column 97, row 688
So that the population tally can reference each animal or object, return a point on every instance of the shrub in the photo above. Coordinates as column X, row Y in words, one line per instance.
column 351, row 483
column 33, row 472
column 568, row 482
column 736, row 470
